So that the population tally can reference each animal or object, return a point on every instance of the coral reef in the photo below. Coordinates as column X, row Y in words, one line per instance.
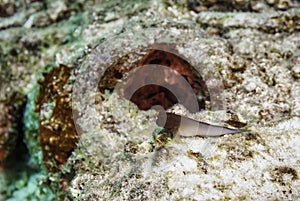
column 81, row 138
column 241, row 5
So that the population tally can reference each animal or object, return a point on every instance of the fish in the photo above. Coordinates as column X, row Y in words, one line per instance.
column 188, row 127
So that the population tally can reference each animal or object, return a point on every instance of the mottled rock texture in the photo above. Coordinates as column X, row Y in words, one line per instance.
column 246, row 51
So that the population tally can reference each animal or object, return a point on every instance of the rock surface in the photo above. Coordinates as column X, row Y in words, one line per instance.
column 246, row 51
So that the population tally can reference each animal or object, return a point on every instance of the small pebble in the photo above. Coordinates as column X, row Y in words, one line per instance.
column 296, row 71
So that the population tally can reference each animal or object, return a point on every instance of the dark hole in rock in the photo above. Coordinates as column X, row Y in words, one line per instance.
column 150, row 95
column 158, row 87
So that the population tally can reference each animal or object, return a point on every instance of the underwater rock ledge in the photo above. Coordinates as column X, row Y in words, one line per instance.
column 107, row 151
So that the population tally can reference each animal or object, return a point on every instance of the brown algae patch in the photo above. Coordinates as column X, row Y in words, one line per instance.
column 281, row 173
column 198, row 157
column 238, row 147
column 57, row 133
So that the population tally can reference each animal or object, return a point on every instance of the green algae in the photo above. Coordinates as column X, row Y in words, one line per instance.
column 34, row 189
column 31, row 124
